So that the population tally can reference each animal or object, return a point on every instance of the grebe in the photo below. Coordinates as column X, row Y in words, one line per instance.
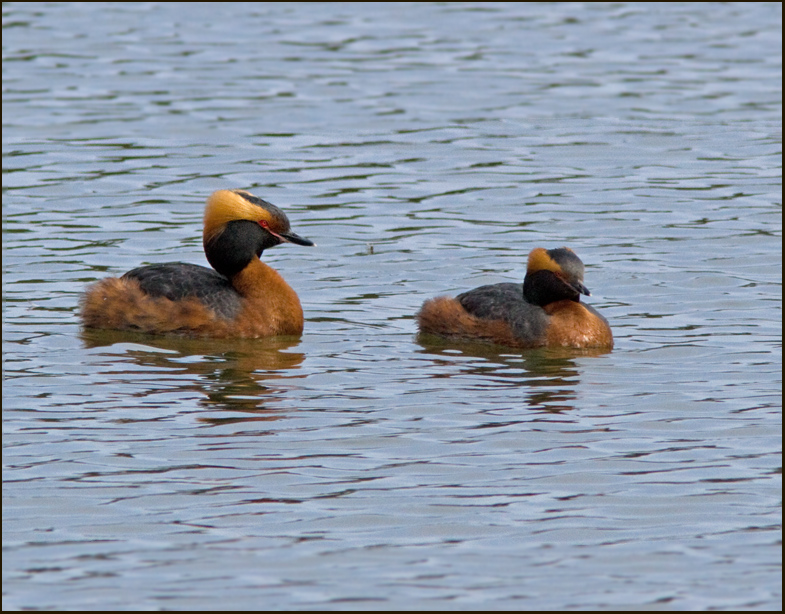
column 545, row 312
column 242, row 297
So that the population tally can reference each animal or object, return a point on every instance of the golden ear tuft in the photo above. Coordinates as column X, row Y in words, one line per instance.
column 226, row 206
column 540, row 260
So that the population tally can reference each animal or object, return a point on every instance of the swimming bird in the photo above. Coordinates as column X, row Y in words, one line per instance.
column 543, row 312
column 239, row 297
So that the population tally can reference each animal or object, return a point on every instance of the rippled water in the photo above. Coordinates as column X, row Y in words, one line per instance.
column 425, row 148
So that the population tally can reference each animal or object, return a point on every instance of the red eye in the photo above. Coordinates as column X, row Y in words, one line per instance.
column 264, row 224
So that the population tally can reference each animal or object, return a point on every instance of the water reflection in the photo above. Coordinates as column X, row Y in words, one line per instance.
column 548, row 375
column 239, row 374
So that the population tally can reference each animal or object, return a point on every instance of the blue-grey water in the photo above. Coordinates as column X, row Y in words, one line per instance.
column 425, row 148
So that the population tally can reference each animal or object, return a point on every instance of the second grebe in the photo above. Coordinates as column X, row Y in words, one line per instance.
column 544, row 311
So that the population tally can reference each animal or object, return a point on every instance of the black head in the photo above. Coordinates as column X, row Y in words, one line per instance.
column 239, row 226
column 553, row 275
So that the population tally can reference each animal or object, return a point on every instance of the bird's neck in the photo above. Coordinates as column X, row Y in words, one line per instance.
column 270, row 301
column 259, row 279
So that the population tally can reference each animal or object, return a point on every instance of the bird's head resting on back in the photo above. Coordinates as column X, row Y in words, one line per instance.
column 553, row 275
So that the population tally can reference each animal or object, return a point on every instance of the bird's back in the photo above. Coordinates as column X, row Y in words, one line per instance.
column 178, row 281
column 528, row 323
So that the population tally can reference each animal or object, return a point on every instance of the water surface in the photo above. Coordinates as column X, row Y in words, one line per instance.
column 425, row 148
